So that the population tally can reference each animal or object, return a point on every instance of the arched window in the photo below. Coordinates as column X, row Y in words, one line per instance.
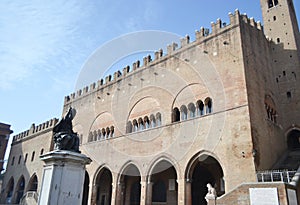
column 192, row 110
column 152, row 121
column 95, row 135
column 42, row 151
column 183, row 112
column 112, row 131
column 158, row 119
column 99, row 134
column 103, row 133
column 141, row 124
column 208, row 105
column 146, row 122
column 129, row 127
column 20, row 157
column 159, row 192
column 108, row 132
column 135, row 126
column 175, row 115
column 200, row 107
column 90, row 137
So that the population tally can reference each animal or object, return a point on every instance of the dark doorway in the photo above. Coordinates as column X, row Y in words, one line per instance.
column 293, row 140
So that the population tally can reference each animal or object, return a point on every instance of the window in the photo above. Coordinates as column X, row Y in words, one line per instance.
column 25, row 158
column 141, row 124
column 208, row 105
column 129, row 127
column 175, row 115
column 112, row 131
column 19, row 161
column 183, row 112
column 32, row 156
column 146, row 122
column 192, row 110
column 152, row 121
column 158, row 119
column 108, row 132
column 135, row 126
column 200, row 108
column 42, row 152
column 272, row 3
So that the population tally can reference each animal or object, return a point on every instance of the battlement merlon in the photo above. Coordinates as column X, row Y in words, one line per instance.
column 204, row 33
column 35, row 129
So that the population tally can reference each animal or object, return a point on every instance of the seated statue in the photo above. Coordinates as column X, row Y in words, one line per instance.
column 64, row 136
column 211, row 194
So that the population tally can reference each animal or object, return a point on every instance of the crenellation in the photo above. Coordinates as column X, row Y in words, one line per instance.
column 146, row 60
column 216, row 27
column 107, row 79
column 117, row 75
column 35, row 129
column 171, row 48
column 158, row 54
column 184, row 41
column 92, row 86
column 85, row 89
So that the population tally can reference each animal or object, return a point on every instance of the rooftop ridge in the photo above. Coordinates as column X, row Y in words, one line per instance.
column 35, row 129
column 216, row 27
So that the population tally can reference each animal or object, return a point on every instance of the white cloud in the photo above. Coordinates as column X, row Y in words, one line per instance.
column 34, row 33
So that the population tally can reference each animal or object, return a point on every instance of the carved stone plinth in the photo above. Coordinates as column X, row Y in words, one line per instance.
column 211, row 200
column 63, row 178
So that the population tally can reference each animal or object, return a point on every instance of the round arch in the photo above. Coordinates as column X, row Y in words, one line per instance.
column 162, row 177
column 293, row 139
column 129, row 184
column 102, row 186
column 202, row 169
column 159, row 159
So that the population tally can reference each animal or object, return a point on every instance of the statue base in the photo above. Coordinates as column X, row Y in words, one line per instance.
column 63, row 178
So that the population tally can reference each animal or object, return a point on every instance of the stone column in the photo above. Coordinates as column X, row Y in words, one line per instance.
column 181, row 191
column 63, row 178
column 188, row 192
column 149, row 193
column 143, row 191
column 119, row 193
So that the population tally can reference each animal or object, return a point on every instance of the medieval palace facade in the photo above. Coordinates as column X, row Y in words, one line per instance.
column 223, row 109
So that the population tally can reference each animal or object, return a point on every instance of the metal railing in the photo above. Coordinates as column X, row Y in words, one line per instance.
column 275, row 176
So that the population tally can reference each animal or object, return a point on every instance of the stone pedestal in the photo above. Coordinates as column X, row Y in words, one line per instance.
column 211, row 201
column 63, row 178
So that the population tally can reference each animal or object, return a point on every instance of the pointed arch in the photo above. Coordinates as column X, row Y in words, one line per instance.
column 33, row 183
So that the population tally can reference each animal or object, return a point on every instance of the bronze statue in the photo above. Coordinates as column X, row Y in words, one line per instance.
column 64, row 136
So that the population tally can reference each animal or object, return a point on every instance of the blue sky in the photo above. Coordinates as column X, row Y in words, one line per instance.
column 44, row 44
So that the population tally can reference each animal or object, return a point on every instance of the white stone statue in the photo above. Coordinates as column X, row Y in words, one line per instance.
column 211, row 194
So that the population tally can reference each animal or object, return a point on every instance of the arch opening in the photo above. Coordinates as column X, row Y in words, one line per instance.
column 102, row 188
column 19, row 189
column 33, row 184
column 130, row 185
column 9, row 191
column 202, row 171
column 85, row 193
column 164, row 183
column 293, row 140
